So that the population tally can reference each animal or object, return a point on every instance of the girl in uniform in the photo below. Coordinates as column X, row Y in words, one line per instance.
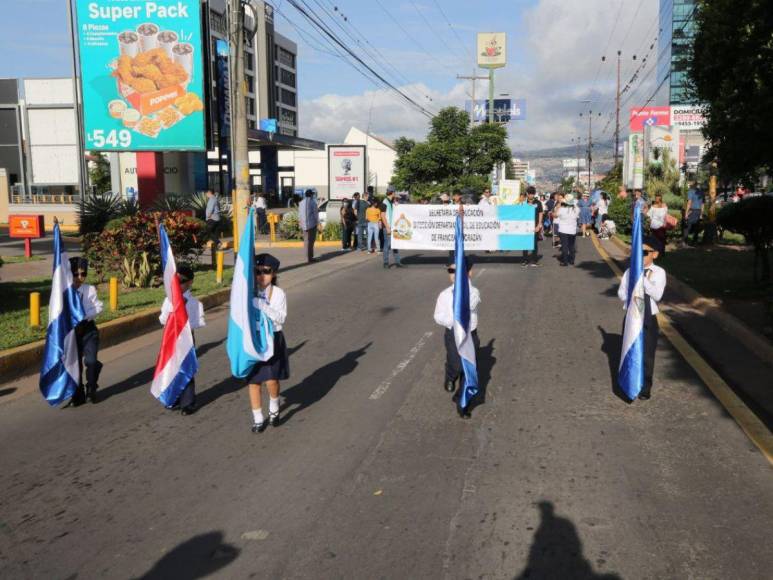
column 271, row 300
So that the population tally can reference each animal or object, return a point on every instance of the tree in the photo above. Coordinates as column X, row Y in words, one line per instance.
column 454, row 156
column 753, row 218
column 567, row 184
column 731, row 70
column 612, row 180
column 99, row 173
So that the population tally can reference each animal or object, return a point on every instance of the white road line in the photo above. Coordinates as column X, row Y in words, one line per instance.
column 384, row 387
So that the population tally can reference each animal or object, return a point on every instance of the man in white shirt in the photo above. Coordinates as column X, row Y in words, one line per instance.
column 308, row 217
column 195, row 310
column 654, row 286
column 444, row 316
column 86, row 334
column 487, row 199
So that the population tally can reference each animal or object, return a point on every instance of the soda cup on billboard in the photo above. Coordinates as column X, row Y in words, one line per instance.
column 166, row 40
column 129, row 43
column 183, row 55
column 148, row 36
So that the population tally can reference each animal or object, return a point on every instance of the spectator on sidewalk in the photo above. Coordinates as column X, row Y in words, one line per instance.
column 692, row 213
column 657, row 214
column 212, row 218
column 487, row 199
column 187, row 400
column 260, row 205
column 387, row 219
column 348, row 225
column 602, row 209
column 586, row 215
column 531, row 257
column 360, row 211
column 308, row 218
column 373, row 215
column 567, row 217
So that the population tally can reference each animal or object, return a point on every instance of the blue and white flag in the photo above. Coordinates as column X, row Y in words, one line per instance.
column 60, row 372
column 630, row 375
column 462, row 335
column 250, row 331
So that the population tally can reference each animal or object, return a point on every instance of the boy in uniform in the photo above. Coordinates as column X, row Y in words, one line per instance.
column 444, row 316
column 195, row 310
column 86, row 334
column 654, row 285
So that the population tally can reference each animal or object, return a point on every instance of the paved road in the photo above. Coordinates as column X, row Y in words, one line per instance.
column 372, row 475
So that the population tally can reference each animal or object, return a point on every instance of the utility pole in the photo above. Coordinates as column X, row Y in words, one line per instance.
column 590, row 141
column 472, row 78
column 617, row 111
column 491, row 96
column 239, row 148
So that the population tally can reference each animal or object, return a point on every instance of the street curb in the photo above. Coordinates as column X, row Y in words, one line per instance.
column 21, row 360
column 711, row 308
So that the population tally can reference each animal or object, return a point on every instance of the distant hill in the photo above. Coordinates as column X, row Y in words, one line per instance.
column 549, row 162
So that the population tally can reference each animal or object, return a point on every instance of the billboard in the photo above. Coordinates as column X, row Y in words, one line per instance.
column 688, row 118
column 142, row 76
column 574, row 163
column 346, row 170
column 662, row 139
column 509, row 191
column 636, row 160
column 505, row 110
column 492, row 49
column 641, row 117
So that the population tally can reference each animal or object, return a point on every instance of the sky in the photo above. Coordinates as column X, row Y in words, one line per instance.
column 554, row 48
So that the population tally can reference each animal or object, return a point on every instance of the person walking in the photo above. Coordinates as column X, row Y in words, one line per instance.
column 657, row 214
column 348, row 225
column 272, row 301
column 387, row 218
column 360, row 211
column 602, row 209
column 195, row 310
column 212, row 218
column 308, row 218
column 86, row 334
column 692, row 213
column 567, row 217
column 586, row 214
column 531, row 257
column 261, row 206
column 373, row 215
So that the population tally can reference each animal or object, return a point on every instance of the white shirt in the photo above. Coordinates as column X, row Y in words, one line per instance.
column 603, row 206
column 444, row 308
column 308, row 214
column 654, row 285
column 91, row 304
column 259, row 203
column 490, row 200
column 194, row 308
column 275, row 307
column 657, row 217
column 567, row 220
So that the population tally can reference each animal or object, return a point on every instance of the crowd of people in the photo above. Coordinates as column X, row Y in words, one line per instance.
column 366, row 224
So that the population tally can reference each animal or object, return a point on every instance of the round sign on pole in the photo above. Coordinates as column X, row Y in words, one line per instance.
column 492, row 49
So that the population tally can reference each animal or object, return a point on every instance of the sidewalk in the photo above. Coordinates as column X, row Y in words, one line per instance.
column 748, row 371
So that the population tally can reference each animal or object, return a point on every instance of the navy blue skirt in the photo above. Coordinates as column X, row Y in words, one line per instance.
column 277, row 368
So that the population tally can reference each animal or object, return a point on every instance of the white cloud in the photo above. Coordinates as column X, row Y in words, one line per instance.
column 562, row 44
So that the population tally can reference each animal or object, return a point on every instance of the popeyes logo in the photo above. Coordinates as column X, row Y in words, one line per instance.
column 25, row 226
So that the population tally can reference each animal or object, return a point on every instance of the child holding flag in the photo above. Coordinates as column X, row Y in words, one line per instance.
column 86, row 333
column 195, row 310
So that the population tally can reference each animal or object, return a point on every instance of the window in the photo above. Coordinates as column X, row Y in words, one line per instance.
column 248, row 64
column 250, row 83
column 286, row 57
column 288, row 97
column 287, row 117
column 251, row 123
column 287, row 78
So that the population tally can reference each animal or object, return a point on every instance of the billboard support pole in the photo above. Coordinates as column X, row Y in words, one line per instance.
column 491, row 96
column 239, row 149
column 472, row 78
column 82, row 172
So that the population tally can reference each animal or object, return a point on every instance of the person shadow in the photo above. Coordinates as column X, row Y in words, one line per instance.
column 485, row 362
column 319, row 383
column 197, row 557
column 611, row 346
column 556, row 551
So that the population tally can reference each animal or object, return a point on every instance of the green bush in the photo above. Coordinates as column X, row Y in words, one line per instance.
column 290, row 227
column 98, row 209
column 332, row 231
column 752, row 217
column 620, row 211
column 673, row 202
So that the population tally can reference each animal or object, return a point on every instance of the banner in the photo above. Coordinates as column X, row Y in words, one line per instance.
column 688, row 118
column 492, row 49
column 636, row 160
column 486, row 227
column 509, row 191
column 223, row 83
column 346, row 170
column 141, row 75
column 662, row 139
column 649, row 116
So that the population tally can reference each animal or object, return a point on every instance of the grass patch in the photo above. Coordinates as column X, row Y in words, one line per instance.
column 14, row 297
column 20, row 259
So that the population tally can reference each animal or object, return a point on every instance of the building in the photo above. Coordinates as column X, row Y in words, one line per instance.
column 520, row 169
column 677, row 30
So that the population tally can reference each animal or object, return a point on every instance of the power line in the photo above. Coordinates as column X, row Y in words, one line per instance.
column 456, row 34
column 432, row 28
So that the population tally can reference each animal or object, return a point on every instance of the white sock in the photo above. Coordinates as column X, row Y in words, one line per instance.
column 257, row 416
column 273, row 405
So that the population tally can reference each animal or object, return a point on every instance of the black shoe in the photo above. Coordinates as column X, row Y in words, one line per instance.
column 273, row 419
column 189, row 410
column 78, row 398
column 259, row 427
column 562, row 263
column 644, row 396
column 91, row 394
column 455, row 398
column 449, row 386
column 463, row 413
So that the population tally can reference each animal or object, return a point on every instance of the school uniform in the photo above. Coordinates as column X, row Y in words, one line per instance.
column 87, row 340
column 273, row 303
column 567, row 231
column 654, row 286
column 195, row 310
column 444, row 316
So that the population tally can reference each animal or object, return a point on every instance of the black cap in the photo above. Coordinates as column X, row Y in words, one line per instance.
column 185, row 271
column 654, row 243
column 267, row 260
column 79, row 263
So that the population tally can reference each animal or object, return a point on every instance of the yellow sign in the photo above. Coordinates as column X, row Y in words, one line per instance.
column 492, row 49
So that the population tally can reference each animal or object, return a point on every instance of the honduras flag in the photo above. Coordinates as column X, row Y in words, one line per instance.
column 60, row 373
column 462, row 334
column 630, row 375
column 176, row 363
column 250, row 331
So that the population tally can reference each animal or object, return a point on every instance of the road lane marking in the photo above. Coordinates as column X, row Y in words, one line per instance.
column 401, row 366
column 749, row 423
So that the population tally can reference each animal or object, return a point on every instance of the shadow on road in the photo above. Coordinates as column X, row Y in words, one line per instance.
column 198, row 557
column 319, row 383
column 486, row 361
column 611, row 346
column 9, row 391
column 442, row 259
column 556, row 551
column 598, row 269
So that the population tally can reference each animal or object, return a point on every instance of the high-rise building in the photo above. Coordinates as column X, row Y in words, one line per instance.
column 677, row 30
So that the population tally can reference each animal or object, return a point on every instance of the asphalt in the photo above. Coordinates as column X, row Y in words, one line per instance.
column 372, row 474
